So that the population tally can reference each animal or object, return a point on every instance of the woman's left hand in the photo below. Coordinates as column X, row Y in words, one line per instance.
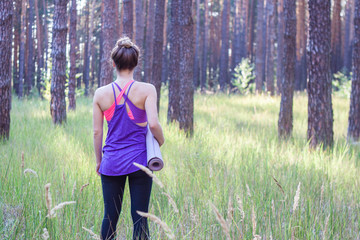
column 97, row 168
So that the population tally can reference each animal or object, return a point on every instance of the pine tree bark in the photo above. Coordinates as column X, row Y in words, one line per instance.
column 86, row 67
column 39, row 49
column 46, row 36
column 139, row 36
column 205, row 47
column 22, row 49
column 91, row 47
column 236, row 50
column 270, row 41
column 29, row 80
column 158, row 47
column 285, row 125
column 72, row 40
column 58, row 53
column 251, row 29
column 6, row 20
column 224, row 54
column 108, row 29
column 174, row 69
column 354, row 114
column 17, row 30
column 347, row 40
column 149, row 41
column 197, row 47
column 336, row 37
column 186, row 118
column 128, row 18
column 280, row 49
column 259, row 64
column 320, row 114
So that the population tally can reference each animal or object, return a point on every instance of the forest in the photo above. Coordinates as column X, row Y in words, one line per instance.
column 259, row 101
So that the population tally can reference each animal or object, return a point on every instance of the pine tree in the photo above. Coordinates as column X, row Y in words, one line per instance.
column 128, row 18
column 6, row 19
column 72, row 40
column 320, row 114
column 259, row 66
column 58, row 54
column 224, row 55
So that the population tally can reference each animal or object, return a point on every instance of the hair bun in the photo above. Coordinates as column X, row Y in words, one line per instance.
column 124, row 42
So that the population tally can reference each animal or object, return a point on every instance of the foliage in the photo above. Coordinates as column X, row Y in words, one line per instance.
column 244, row 76
column 234, row 155
column 341, row 84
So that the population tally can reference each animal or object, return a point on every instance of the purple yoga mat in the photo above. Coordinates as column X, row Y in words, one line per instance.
column 154, row 158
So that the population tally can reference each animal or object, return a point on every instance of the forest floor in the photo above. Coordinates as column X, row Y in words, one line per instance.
column 232, row 162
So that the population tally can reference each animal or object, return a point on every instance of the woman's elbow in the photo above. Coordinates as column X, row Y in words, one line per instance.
column 98, row 132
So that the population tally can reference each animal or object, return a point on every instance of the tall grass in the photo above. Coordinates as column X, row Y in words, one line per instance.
column 234, row 163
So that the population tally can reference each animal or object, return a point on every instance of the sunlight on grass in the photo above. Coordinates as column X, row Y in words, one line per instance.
column 234, row 153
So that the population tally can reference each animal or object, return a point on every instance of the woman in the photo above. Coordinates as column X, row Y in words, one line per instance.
column 128, row 106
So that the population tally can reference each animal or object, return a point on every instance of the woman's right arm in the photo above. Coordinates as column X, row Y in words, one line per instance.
column 98, row 119
column 152, row 115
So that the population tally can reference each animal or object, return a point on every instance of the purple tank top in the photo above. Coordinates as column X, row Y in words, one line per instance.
column 125, row 144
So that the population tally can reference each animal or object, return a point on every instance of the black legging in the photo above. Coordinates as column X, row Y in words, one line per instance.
column 113, row 190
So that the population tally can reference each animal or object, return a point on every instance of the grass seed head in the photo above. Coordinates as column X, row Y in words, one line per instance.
column 296, row 198
column 221, row 220
column 92, row 234
column 148, row 172
column 59, row 206
column 28, row 170
column 45, row 234
column 240, row 207
column 83, row 186
column 158, row 221
column 172, row 202
column 48, row 199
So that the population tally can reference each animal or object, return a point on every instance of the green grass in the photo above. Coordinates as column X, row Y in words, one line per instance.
column 234, row 154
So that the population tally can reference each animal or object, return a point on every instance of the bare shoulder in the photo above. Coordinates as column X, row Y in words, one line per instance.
column 144, row 88
column 101, row 92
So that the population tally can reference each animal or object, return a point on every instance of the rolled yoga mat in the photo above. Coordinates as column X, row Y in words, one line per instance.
column 154, row 158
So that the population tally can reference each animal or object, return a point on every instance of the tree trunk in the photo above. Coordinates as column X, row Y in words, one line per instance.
column 287, row 91
column 165, row 57
column 336, row 37
column 197, row 47
column 259, row 66
column 46, row 36
column 270, row 41
column 347, row 39
column 58, row 53
column 250, row 28
column 237, row 35
column 91, row 46
column 320, row 114
column 86, row 67
column 354, row 114
column 108, row 29
column 17, row 30
column 224, row 55
column 6, row 19
column 174, row 74
column 205, row 47
column 72, row 40
column 149, row 41
column 139, row 36
column 280, row 49
column 29, row 81
column 39, row 39
column 22, row 49
column 158, row 47
column 128, row 18
column 186, row 40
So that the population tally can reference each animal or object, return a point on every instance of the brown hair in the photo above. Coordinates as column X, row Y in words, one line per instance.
column 125, row 54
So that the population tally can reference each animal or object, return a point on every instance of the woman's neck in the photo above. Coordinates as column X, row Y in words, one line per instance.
column 124, row 76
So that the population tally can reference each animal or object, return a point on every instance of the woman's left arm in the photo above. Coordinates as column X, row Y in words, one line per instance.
column 98, row 120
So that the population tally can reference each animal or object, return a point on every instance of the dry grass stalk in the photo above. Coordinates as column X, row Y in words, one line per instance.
column 278, row 184
column 322, row 193
column 230, row 212
column 248, row 190
column 92, row 234
column 83, row 186
column 326, row 226
column 253, row 220
column 22, row 161
column 28, row 170
column 193, row 215
column 296, row 198
column 158, row 221
column 148, row 172
column 222, row 221
column 57, row 207
column 241, row 208
column 171, row 201
column 48, row 199
column 45, row 234
column 64, row 179
column 273, row 207
column 73, row 190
